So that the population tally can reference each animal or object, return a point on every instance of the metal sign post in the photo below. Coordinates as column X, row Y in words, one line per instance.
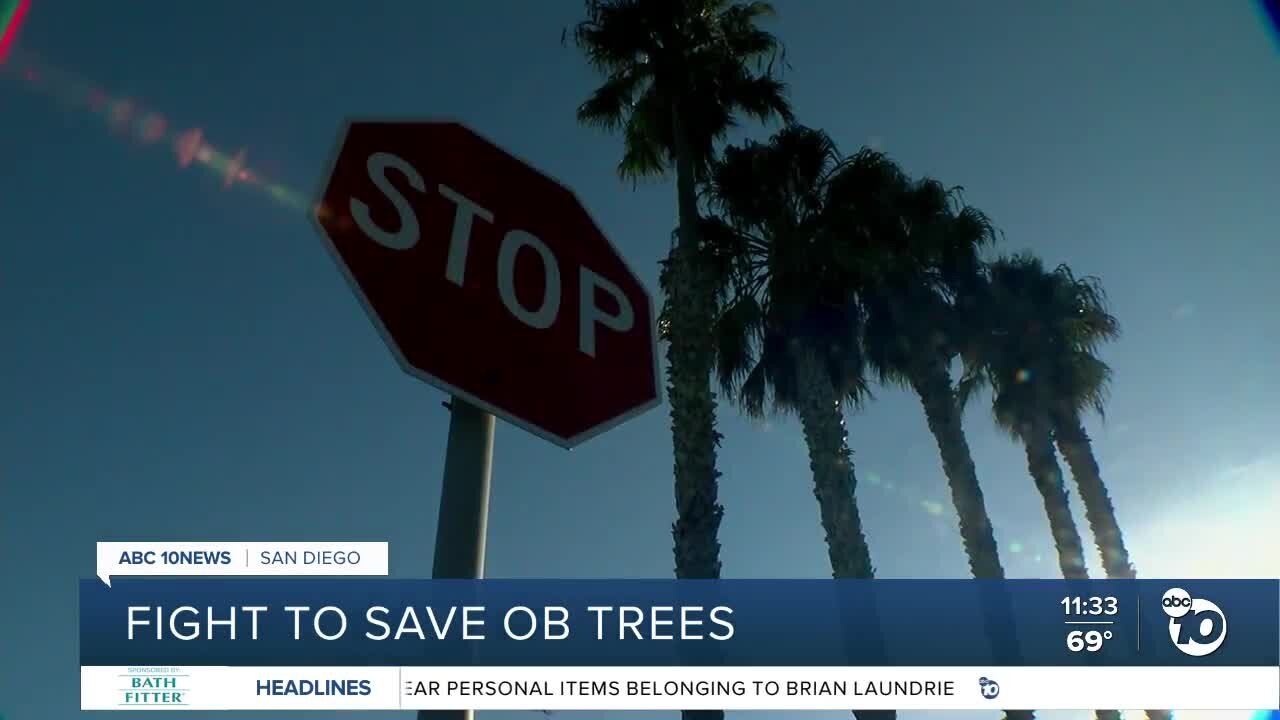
column 464, row 497
column 464, row 508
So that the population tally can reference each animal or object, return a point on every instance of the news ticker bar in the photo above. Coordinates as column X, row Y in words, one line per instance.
column 651, row 688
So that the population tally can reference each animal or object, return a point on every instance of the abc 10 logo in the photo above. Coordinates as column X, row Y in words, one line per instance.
column 1197, row 626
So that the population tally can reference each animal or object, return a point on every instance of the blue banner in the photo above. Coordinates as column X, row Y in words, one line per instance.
column 384, row 622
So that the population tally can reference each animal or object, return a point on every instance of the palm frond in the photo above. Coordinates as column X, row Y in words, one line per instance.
column 737, row 331
column 706, row 61
column 1035, row 337
column 615, row 34
column 609, row 106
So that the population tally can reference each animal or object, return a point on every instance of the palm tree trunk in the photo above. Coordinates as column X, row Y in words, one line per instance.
column 1076, row 448
column 933, row 385
column 690, row 357
column 831, row 461
column 834, row 481
column 1043, row 465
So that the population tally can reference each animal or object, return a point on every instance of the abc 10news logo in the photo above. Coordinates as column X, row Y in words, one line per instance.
column 1197, row 626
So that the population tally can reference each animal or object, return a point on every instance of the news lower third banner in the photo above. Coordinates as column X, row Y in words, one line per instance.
column 377, row 643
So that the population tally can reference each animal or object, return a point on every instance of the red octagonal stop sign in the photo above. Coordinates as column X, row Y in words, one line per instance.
column 489, row 280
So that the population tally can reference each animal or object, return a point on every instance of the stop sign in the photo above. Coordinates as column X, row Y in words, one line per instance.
column 489, row 279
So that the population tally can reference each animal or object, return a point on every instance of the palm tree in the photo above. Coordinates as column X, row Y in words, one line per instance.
column 918, row 313
column 1083, row 384
column 1043, row 330
column 1074, row 313
column 677, row 74
column 788, row 339
column 1035, row 346
column 788, row 336
column 815, row 253
column 916, row 316
column 1016, row 346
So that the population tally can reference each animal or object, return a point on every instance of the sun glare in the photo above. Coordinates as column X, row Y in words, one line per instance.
column 1228, row 530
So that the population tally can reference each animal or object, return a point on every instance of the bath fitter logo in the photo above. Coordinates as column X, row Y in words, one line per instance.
column 154, row 687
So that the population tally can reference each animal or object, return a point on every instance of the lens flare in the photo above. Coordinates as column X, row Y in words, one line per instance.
column 153, row 128
column 186, row 146
column 128, row 119
column 12, row 13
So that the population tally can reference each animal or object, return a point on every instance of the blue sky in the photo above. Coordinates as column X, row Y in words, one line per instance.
column 184, row 361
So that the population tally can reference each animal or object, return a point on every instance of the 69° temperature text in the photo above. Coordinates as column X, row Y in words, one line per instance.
column 1087, row 640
